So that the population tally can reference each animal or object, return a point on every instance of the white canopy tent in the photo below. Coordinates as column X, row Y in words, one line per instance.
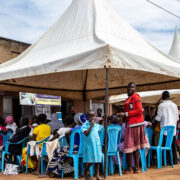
column 71, row 57
column 148, row 97
column 175, row 48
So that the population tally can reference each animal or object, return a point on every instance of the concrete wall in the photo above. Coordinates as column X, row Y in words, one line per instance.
column 10, row 49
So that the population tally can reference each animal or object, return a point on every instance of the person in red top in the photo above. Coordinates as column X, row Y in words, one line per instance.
column 2, row 128
column 134, row 138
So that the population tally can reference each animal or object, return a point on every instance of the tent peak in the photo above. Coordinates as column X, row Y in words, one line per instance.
column 175, row 48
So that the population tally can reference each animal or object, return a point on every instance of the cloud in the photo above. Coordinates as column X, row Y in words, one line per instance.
column 27, row 20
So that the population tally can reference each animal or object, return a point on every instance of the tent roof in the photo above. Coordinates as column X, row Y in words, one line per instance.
column 175, row 48
column 148, row 97
column 89, row 35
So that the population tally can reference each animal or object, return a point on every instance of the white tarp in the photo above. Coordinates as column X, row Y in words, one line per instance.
column 89, row 35
column 175, row 48
column 149, row 97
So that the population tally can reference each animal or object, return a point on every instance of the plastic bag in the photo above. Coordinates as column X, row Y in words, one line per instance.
column 11, row 169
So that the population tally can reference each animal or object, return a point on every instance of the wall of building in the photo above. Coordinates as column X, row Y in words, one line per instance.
column 10, row 49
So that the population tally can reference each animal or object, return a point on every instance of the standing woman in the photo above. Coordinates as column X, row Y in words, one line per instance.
column 134, row 138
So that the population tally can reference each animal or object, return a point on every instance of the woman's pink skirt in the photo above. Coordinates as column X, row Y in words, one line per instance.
column 135, row 139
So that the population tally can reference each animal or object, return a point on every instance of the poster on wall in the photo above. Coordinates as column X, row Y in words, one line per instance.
column 43, row 109
column 39, row 99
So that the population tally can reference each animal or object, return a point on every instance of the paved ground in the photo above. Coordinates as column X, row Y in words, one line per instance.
column 167, row 173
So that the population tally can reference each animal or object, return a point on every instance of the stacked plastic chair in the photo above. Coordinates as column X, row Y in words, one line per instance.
column 159, row 149
column 6, row 151
column 114, row 137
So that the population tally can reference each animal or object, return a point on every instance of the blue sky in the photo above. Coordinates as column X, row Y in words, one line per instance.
column 27, row 20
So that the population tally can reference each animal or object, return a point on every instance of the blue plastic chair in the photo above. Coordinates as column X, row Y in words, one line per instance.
column 79, row 154
column 159, row 148
column 6, row 137
column 6, row 152
column 28, row 152
column 62, row 142
column 168, row 145
column 114, row 137
column 149, row 133
column 80, row 151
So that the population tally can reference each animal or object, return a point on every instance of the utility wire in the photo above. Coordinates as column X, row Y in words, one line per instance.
column 164, row 9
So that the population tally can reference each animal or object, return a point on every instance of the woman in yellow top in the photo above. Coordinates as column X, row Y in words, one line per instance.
column 40, row 132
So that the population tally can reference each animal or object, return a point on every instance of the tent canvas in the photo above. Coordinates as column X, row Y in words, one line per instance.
column 89, row 49
column 148, row 97
column 175, row 47
column 70, row 58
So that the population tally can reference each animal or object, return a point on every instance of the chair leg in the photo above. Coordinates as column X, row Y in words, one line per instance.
column 141, row 151
column 76, row 166
column 145, row 160
column 82, row 166
column 171, row 156
column 124, row 162
column 164, row 154
column 42, row 167
column 62, row 174
column 27, row 162
column 149, row 157
column 3, row 157
column 107, row 167
column 119, row 164
column 159, row 158
column 111, row 165
column 103, row 162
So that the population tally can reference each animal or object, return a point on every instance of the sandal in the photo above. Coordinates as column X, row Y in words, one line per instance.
column 137, row 170
column 99, row 178
column 128, row 172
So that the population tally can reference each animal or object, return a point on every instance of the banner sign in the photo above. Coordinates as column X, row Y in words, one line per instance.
column 39, row 99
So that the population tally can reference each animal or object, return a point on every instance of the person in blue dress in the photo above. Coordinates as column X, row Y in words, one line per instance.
column 92, row 150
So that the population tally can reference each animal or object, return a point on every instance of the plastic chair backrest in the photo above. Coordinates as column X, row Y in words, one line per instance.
column 22, row 142
column 102, row 136
column 114, row 137
column 63, row 141
column 44, row 140
column 43, row 151
column 6, row 137
column 72, row 138
column 170, row 134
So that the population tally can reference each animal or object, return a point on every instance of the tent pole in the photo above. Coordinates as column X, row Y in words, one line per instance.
column 84, row 90
column 106, row 119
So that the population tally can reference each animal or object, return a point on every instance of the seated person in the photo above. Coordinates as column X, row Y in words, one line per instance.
column 21, row 133
column 2, row 128
column 54, row 123
column 60, row 161
column 10, row 125
column 33, row 123
column 40, row 132
column 68, row 124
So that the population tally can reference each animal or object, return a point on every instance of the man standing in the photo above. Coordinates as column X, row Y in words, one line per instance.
column 167, row 114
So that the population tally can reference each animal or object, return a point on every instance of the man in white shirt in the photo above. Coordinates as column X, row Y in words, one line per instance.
column 167, row 114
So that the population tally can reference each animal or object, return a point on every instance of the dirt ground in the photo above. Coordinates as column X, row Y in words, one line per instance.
column 166, row 173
